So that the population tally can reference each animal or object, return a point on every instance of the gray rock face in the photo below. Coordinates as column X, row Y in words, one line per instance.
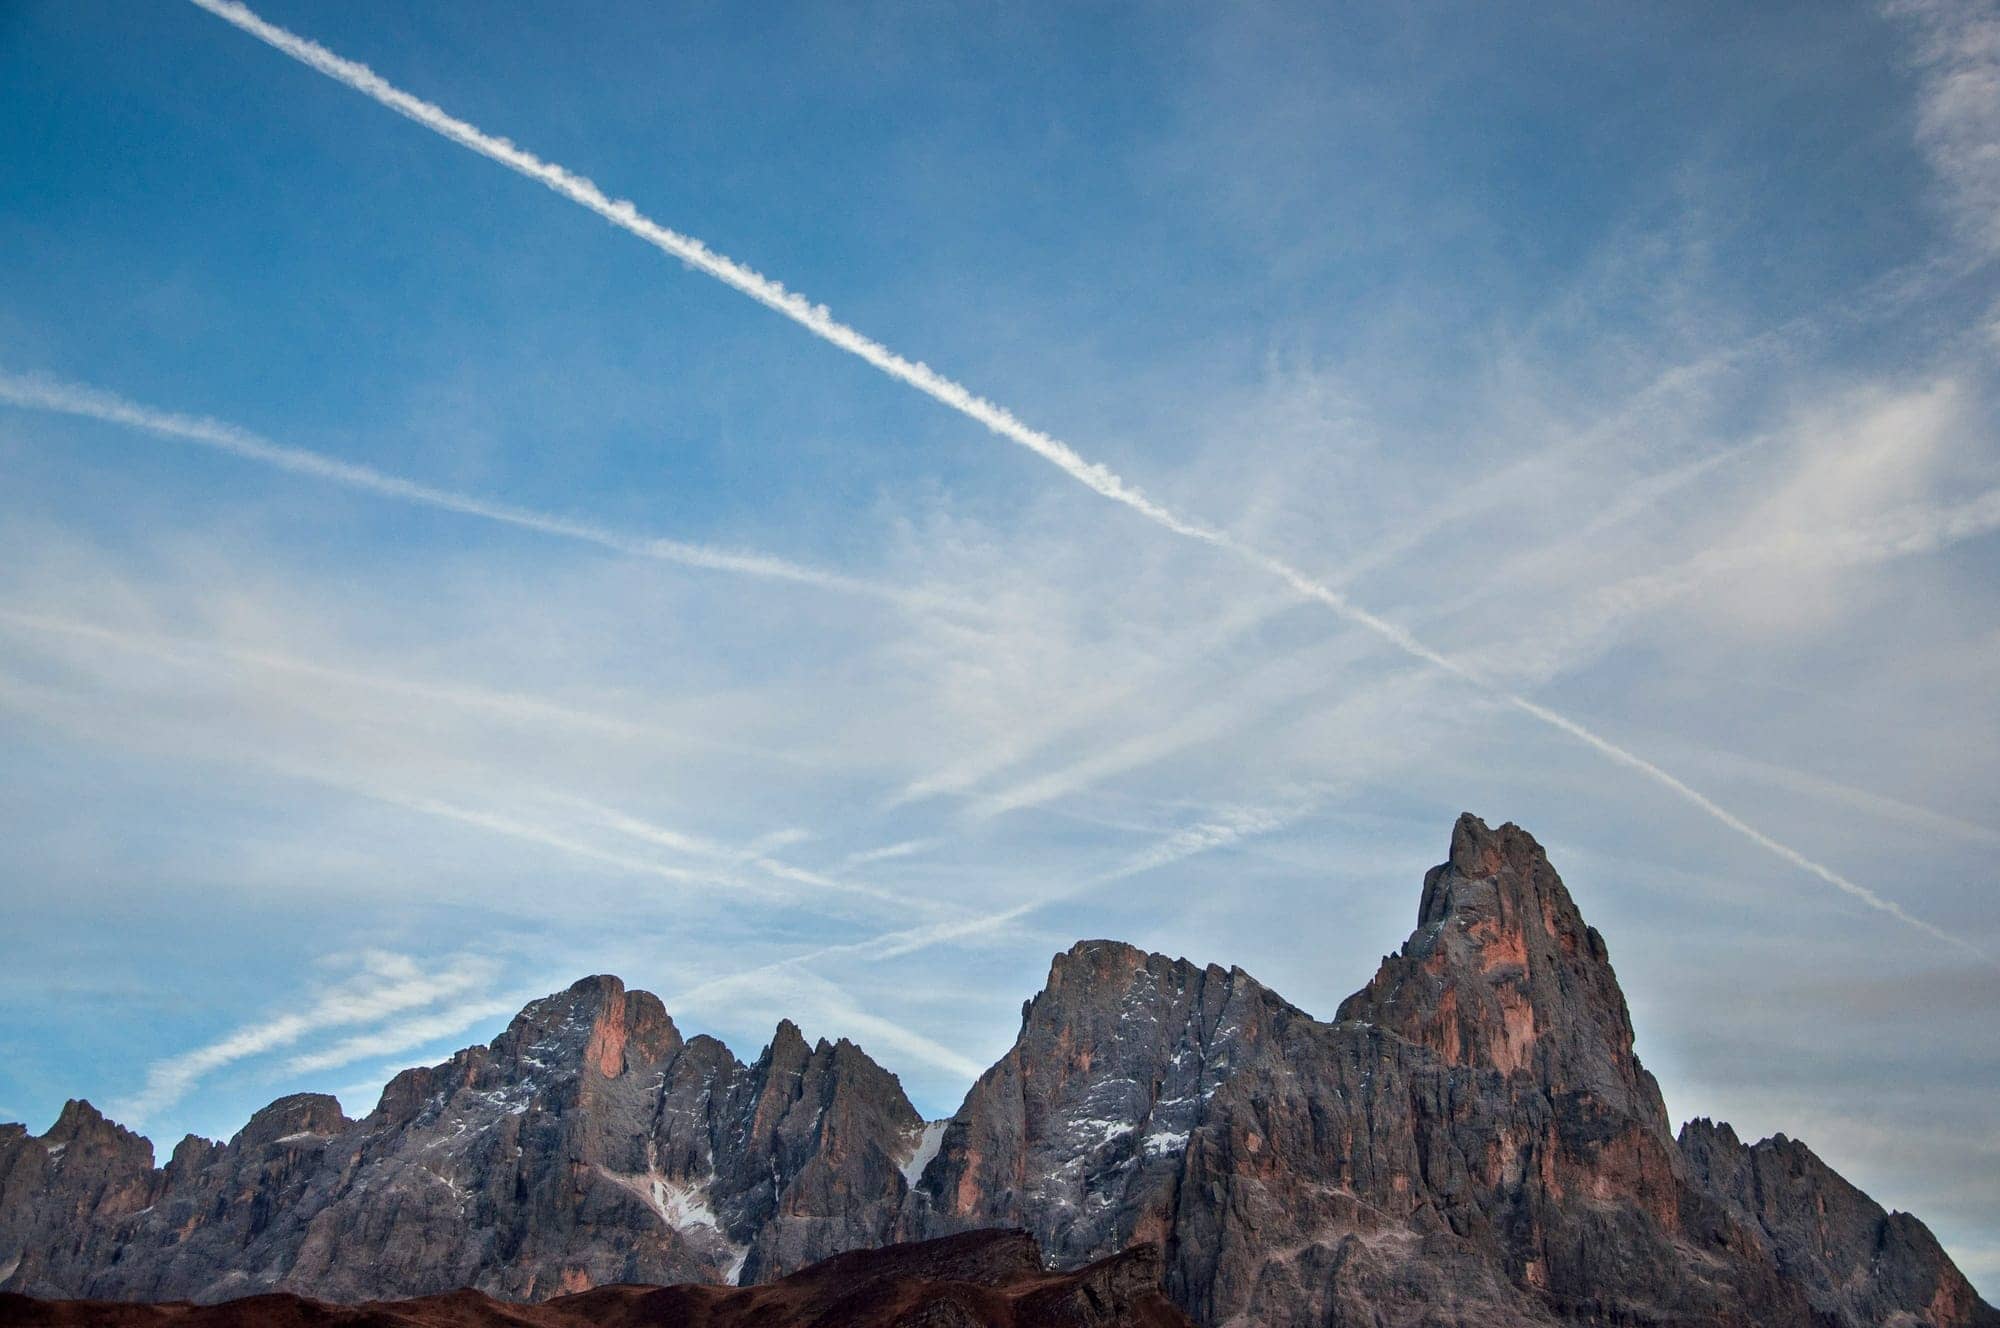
column 64, row 1195
column 1853, row 1262
column 1470, row 1141
column 588, row 1144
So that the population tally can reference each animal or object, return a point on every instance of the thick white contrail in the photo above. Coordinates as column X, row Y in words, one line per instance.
column 821, row 323
column 37, row 392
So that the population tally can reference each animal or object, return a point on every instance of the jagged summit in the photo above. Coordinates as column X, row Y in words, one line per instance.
column 587, row 1143
column 1471, row 1141
column 1502, row 971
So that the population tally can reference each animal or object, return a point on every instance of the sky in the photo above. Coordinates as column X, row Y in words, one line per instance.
column 1234, row 441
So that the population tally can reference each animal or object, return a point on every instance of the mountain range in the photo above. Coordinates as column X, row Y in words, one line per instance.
column 1470, row 1140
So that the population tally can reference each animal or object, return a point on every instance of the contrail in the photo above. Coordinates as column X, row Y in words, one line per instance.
column 815, row 318
column 35, row 392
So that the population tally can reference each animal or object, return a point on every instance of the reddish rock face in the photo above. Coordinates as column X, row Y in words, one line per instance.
column 1503, row 977
column 1471, row 1141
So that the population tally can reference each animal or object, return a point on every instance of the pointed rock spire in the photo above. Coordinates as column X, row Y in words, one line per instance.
column 1502, row 972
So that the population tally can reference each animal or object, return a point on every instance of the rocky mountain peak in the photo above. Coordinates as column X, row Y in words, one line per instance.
column 1090, row 957
column 1502, row 977
column 1494, row 890
column 1502, row 972
column 191, row 1154
column 595, row 1024
column 788, row 1046
column 311, row 1114
column 1080, row 1132
column 81, row 1130
column 1702, row 1133
column 1108, row 988
column 76, row 1117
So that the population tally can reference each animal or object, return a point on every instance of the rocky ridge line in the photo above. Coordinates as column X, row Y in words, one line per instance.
column 1471, row 1140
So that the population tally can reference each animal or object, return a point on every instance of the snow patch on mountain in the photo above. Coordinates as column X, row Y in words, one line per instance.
column 928, row 1141
column 681, row 1206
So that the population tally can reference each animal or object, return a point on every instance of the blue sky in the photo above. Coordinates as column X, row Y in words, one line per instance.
column 1642, row 361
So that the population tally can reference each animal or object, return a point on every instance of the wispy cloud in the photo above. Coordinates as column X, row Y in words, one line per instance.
column 1861, row 488
column 387, row 984
column 406, row 1034
column 1958, row 54
column 1222, row 828
column 1908, row 532
column 1093, row 475
column 523, row 816
column 1281, row 682
column 529, row 829
column 1225, row 827
column 34, row 392
column 904, row 848
column 1074, row 709
column 552, row 818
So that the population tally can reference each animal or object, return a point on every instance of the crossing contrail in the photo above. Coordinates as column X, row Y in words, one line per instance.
column 816, row 318
column 37, row 392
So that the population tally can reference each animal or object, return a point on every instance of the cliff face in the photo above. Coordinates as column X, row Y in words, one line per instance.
column 1470, row 1141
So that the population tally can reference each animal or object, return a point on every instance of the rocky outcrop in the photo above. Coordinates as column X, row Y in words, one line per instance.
column 1471, row 1140
column 986, row 1279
